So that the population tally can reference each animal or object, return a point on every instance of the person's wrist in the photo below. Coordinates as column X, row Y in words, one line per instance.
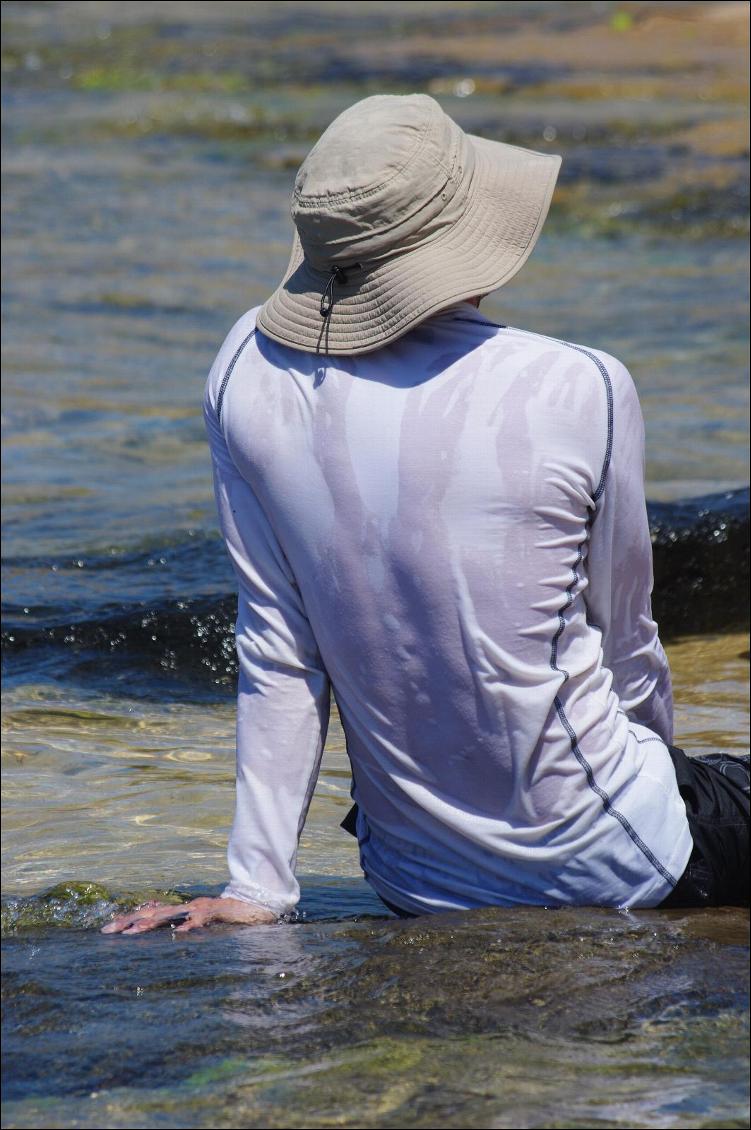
column 232, row 909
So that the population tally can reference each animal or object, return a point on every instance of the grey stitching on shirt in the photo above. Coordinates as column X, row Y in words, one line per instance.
column 609, row 394
column 643, row 741
column 566, row 606
column 606, row 801
column 228, row 374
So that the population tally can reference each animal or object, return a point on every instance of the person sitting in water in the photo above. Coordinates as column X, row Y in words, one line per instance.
column 443, row 520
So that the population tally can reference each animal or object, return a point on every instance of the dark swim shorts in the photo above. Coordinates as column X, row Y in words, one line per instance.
column 715, row 790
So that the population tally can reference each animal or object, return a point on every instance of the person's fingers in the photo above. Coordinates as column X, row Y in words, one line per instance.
column 154, row 921
column 194, row 919
column 201, row 912
column 190, row 916
column 151, row 922
column 117, row 925
column 141, row 925
column 124, row 921
column 147, row 917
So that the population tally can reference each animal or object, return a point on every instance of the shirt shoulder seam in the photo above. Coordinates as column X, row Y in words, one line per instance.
column 228, row 373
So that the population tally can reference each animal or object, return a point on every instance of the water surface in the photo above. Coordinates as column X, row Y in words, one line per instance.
column 149, row 150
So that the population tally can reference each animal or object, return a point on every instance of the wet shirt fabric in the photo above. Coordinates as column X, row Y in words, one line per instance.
column 451, row 534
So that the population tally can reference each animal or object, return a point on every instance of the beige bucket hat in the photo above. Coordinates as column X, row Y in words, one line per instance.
column 398, row 214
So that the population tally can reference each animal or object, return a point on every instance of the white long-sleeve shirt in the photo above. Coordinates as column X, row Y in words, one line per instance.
column 451, row 533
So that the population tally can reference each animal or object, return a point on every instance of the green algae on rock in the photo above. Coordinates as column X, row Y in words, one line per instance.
column 70, row 905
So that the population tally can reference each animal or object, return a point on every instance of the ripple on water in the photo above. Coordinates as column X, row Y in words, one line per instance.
column 490, row 1018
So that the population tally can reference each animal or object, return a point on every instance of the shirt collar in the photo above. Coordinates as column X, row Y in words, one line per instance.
column 466, row 312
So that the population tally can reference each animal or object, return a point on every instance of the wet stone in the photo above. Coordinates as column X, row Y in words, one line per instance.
column 470, row 1019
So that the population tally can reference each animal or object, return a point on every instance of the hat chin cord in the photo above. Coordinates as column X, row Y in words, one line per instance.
column 338, row 275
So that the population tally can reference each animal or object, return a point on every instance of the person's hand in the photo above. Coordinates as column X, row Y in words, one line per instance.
column 189, row 915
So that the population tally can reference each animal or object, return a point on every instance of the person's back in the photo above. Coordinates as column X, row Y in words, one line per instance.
column 463, row 514
column 444, row 520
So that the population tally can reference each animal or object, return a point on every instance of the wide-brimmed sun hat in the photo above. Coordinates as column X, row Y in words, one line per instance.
column 399, row 213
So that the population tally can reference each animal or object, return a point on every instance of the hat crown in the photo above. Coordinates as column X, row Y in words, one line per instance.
column 381, row 176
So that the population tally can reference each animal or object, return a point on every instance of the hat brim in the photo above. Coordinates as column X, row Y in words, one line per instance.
column 506, row 207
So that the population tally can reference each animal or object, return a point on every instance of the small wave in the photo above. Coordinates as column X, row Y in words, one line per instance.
column 182, row 647
column 101, row 581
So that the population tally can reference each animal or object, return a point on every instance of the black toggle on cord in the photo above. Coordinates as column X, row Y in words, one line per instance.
column 339, row 275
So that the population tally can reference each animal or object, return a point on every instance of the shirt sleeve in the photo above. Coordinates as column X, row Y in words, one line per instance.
column 620, row 569
column 283, row 693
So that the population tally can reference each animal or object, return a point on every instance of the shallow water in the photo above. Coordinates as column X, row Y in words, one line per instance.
column 347, row 1016
column 507, row 1019
column 148, row 153
column 93, row 780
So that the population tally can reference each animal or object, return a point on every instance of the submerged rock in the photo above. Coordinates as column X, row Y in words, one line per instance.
column 70, row 905
column 701, row 563
column 503, row 1018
